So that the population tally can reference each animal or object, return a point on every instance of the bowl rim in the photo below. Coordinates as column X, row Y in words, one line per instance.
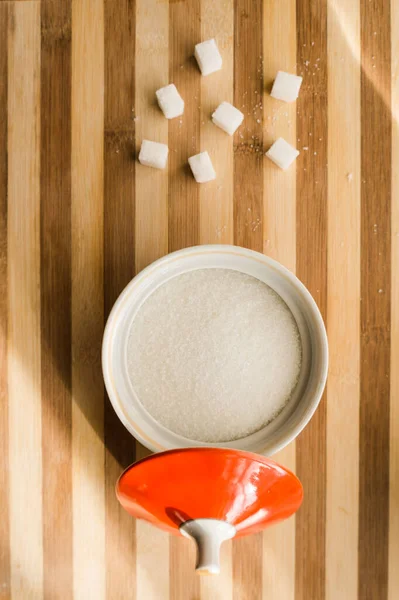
column 134, row 428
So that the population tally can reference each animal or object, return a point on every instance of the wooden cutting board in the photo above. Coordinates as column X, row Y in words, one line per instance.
column 79, row 217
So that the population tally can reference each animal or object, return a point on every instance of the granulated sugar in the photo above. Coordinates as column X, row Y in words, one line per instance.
column 214, row 355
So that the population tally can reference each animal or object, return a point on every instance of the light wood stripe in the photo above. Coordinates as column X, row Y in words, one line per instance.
column 216, row 198
column 184, row 133
column 247, row 567
column 4, row 434
column 24, row 301
column 152, row 72
column 279, row 46
column 393, row 571
column 152, row 555
column 55, row 208
column 184, row 141
column 343, row 303
column 220, row 587
column 312, row 270
column 376, row 294
column 119, row 268
column 248, row 217
column 151, row 237
column 279, row 53
column 152, row 562
column 87, row 124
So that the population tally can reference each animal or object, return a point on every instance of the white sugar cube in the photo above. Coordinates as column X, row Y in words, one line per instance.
column 286, row 86
column 227, row 117
column 170, row 101
column 153, row 154
column 202, row 168
column 282, row 153
column 208, row 57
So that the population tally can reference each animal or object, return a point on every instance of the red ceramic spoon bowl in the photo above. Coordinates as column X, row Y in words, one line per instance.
column 210, row 494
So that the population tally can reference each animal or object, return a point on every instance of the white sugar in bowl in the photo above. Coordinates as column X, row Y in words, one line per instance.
column 313, row 339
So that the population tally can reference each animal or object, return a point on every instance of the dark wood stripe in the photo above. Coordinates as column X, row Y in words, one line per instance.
column 248, row 217
column 4, row 478
column 184, row 132
column 183, row 216
column 312, row 118
column 375, row 299
column 55, row 267
column 248, row 150
column 119, row 267
column 184, row 583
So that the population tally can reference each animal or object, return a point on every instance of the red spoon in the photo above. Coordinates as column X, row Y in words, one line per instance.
column 210, row 495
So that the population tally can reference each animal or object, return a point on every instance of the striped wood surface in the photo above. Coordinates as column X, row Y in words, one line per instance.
column 79, row 217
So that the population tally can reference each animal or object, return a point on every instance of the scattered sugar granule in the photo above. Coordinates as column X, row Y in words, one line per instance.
column 170, row 101
column 153, row 154
column 286, row 86
column 214, row 355
column 202, row 168
column 227, row 117
column 208, row 57
column 282, row 153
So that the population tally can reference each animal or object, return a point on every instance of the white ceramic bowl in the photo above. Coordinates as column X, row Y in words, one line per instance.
column 306, row 397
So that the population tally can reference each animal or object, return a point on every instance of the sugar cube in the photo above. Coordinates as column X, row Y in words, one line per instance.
column 282, row 153
column 153, row 154
column 286, row 86
column 170, row 101
column 227, row 117
column 202, row 168
column 208, row 57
